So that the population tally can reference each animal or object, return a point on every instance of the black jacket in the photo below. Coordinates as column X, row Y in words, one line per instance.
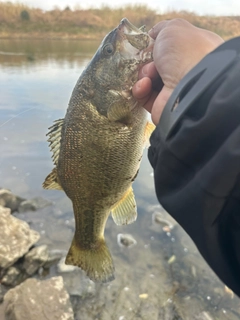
column 195, row 153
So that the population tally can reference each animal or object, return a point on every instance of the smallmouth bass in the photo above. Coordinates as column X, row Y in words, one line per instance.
column 97, row 148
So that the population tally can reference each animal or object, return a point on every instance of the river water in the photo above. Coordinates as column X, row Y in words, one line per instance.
column 162, row 276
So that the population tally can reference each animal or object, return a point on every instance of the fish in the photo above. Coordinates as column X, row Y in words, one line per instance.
column 97, row 148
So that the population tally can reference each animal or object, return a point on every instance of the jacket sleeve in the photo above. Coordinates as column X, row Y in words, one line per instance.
column 197, row 174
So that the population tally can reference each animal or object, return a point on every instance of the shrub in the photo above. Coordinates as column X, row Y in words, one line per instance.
column 25, row 15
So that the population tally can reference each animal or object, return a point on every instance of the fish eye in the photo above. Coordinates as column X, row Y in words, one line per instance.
column 108, row 49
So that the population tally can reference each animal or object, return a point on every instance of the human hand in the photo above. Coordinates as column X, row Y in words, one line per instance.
column 178, row 47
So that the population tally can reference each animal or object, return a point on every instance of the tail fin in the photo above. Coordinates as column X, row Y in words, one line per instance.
column 96, row 262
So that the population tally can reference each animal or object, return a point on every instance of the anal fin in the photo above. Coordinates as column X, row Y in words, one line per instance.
column 125, row 211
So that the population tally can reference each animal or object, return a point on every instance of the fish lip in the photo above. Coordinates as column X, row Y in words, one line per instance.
column 139, row 40
column 134, row 45
column 129, row 27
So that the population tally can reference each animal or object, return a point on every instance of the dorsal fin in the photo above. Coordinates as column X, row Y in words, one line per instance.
column 55, row 139
column 148, row 131
column 54, row 133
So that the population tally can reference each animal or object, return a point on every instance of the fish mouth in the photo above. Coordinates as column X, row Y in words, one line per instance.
column 135, row 48
column 135, row 41
column 129, row 27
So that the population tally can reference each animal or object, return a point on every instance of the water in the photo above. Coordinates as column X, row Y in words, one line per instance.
column 162, row 276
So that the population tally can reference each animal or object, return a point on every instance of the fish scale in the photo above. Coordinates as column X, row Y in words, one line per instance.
column 98, row 154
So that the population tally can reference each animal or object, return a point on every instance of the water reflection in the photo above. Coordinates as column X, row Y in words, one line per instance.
column 34, row 92
column 23, row 53
column 36, row 81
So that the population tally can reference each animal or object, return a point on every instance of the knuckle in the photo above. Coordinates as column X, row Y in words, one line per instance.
column 178, row 22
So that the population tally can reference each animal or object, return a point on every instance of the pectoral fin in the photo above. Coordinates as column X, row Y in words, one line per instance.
column 51, row 182
column 121, row 105
column 125, row 211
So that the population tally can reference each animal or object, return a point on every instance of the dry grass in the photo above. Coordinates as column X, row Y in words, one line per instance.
column 95, row 23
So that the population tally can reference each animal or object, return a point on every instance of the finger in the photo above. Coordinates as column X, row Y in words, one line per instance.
column 148, row 102
column 148, row 70
column 160, row 103
column 143, row 93
column 157, row 84
column 142, row 88
column 157, row 28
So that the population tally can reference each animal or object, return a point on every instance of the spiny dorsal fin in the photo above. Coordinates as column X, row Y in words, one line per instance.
column 55, row 139
column 125, row 211
column 51, row 182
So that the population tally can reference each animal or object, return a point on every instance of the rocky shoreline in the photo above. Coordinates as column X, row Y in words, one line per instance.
column 159, row 275
column 26, row 268
column 21, row 259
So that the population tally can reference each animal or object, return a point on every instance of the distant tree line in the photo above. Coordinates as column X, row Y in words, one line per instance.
column 18, row 20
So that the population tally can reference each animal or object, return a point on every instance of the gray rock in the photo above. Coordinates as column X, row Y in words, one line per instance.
column 126, row 240
column 33, row 204
column 53, row 257
column 16, row 238
column 3, row 290
column 11, row 277
column 38, row 300
column 62, row 267
column 9, row 200
column 75, row 280
column 77, row 284
column 2, row 317
column 158, row 218
column 35, row 259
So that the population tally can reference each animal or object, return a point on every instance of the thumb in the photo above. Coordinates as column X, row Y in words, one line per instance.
column 160, row 103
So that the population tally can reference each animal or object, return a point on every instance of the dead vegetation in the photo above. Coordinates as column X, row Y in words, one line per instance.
column 19, row 20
